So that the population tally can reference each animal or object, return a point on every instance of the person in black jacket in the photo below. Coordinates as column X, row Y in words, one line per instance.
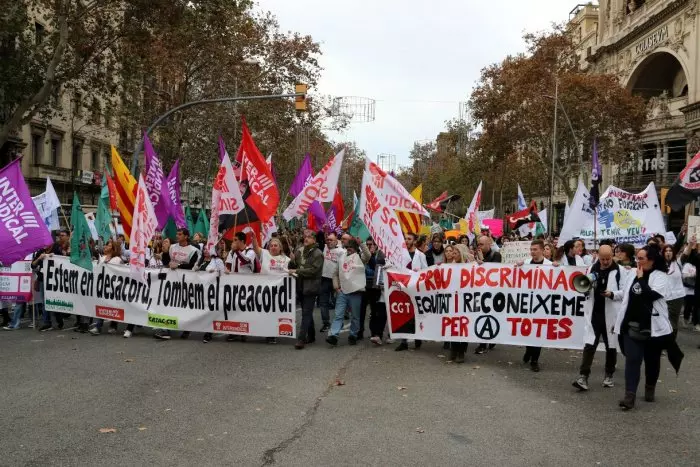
column 307, row 266
column 435, row 256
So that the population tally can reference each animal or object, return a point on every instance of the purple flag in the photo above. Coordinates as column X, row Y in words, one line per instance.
column 596, row 175
column 156, row 184
column 22, row 230
column 176, row 211
column 304, row 176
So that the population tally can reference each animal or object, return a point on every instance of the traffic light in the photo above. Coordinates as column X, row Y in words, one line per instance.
column 300, row 99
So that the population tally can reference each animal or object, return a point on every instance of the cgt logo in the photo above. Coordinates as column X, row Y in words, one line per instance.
column 285, row 327
column 402, row 312
column 231, row 326
column 106, row 312
column 162, row 321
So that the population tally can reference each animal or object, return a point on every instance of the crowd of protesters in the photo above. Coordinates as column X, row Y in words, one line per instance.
column 640, row 298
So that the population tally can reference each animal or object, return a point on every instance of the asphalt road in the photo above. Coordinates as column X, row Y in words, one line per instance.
column 188, row 403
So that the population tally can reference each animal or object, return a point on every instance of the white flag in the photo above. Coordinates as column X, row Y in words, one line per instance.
column 471, row 215
column 321, row 188
column 521, row 199
column 143, row 225
column 226, row 198
column 47, row 205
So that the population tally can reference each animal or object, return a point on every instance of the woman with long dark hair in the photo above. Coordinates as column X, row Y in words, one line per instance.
column 642, row 324
column 676, row 290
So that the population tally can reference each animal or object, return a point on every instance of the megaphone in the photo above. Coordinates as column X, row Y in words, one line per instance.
column 584, row 283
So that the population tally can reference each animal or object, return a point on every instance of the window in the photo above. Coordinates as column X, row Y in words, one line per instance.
column 76, row 161
column 95, row 156
column 78, row 104
column 55, row 150
column 39, row 33
column 95, row 112
column 37, row 148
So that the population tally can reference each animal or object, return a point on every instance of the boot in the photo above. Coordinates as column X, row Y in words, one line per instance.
column 460, row 357
column 649, row 393
column 453, row 355
column 628, row 402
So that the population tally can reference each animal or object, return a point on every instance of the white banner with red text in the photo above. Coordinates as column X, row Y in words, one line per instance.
column 246, row 304
column 489, row 303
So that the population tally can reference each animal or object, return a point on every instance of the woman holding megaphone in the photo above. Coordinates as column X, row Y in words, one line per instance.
column 642, row 325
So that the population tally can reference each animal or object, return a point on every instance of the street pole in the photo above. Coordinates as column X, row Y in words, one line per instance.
column 554, row 155
column 139, row 145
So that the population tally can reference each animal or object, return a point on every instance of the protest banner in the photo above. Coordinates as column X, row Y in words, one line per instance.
column 495, row 226
column 490, row 303
column 512, row 252
column 246, row 304
column 694, row 227
column 16, row 282
column 622, row 216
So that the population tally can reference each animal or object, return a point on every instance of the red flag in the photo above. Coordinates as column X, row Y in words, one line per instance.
column 264, row 196
column 435, row 205
column 526, row 216
column 112, row 192
column 311, row 222
column 250, row 229
column 338, row 206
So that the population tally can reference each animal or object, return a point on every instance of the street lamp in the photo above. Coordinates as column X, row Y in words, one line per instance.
column 557, row 105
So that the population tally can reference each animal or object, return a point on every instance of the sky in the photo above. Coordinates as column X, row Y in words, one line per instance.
column 417, row 60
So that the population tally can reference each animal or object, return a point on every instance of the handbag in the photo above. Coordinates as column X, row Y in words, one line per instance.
column 635, row 332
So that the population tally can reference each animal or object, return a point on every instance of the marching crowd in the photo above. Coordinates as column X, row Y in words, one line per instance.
column 640, row 296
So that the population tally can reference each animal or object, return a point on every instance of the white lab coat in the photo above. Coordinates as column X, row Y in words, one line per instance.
column 660, row 324
column 612, row 308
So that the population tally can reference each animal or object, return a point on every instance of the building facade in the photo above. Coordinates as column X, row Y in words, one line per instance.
column 653, row 47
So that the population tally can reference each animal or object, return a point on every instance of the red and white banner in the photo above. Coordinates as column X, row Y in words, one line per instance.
column 382, row 195
column 491, row 303
column 143, row 225
column 321, row 188
column 472, row 215
column 226, row 196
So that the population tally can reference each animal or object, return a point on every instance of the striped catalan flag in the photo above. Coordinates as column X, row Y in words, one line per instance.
column 411, row 222
column 125, row 185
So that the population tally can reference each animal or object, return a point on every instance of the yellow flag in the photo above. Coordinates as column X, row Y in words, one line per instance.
column 411, row 222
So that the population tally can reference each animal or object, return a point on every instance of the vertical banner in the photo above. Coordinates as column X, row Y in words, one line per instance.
column 491, row 303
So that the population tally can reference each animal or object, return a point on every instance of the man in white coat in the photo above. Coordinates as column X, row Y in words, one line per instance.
column 349, row 281
column 417, row 263
column 607, row 296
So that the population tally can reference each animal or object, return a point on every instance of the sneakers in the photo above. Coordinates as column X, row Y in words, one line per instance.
column 352, row 340
column 95, row 331
column 127, row 334
column 697, row 328
column 324, row 328
column 332, row 340
column 10, row 328
column 608, row 382
column 163, row 335
column 30, row 325
column 376, row 340
column 112, row 330
column 45, row 327
column 402, row 346
column 581, row 383
column 480, row 350
column 207, row 338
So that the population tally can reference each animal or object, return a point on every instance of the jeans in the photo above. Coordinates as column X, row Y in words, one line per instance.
column 600, row 330
column 636, row 351
column 325, row 300
column 307, row 333
column 354, row 300
column 377, row 319
column 17, row 312
column 369, row 297
column 690, row 310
